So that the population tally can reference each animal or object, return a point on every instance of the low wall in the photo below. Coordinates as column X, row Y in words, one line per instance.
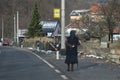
column 114, row 55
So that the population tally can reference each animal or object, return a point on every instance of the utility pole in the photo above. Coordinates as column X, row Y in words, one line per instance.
column 62, row 24
column 2, row 29
column 17, row 27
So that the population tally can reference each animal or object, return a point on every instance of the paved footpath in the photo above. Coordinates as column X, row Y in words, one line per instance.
column 88, row 68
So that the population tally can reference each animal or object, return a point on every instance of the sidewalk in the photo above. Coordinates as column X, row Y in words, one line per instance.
column 88, row 68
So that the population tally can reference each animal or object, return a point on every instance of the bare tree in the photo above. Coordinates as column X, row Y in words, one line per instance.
column 111, row 13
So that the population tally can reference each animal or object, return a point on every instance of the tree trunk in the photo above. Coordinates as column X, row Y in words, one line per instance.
column 108, row 41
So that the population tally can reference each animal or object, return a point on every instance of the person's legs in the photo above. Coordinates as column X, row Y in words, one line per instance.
column 72, row 67
column 68, row 69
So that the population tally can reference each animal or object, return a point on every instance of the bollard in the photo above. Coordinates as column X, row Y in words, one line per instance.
column 21, row 46
column 38, row 49
column 57, row 55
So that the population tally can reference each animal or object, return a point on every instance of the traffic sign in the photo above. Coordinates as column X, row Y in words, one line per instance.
column 56, row 12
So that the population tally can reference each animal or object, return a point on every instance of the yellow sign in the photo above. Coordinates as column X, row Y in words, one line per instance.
column 56, row 13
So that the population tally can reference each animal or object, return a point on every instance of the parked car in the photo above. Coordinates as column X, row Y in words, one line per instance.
column 5, row 43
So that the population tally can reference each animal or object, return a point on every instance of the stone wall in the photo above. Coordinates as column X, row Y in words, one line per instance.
column 114, row 55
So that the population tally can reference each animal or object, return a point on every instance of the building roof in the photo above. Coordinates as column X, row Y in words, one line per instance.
column 116, row 30
column 49, row 25
column 77, row 12
column 95, row 8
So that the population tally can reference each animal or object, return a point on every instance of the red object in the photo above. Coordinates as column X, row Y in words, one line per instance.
column 5, row 43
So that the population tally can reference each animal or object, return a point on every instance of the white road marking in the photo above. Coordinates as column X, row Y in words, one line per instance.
column 64, row 77
column 50, row 65
column 57, row 71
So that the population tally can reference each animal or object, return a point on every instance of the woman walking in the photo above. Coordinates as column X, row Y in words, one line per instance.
column 71, row 51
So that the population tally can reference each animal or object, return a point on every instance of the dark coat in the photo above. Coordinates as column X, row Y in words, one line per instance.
column 71, row 52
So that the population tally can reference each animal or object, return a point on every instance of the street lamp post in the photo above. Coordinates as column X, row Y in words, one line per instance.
column 17, row 27
column 2, row 29
column 62, row 24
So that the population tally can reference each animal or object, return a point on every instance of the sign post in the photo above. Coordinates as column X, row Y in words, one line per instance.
column 62, row 24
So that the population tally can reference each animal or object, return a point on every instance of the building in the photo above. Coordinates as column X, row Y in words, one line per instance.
column 77, row 14
column 22, row 32
column 51, row 27
column 116, row 33
column 96, row 13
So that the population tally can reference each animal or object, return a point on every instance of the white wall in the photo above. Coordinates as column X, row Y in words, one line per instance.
column 116, row 36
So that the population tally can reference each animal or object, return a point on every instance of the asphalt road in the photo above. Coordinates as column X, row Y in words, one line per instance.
column 21, row 64
column 17, row 64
